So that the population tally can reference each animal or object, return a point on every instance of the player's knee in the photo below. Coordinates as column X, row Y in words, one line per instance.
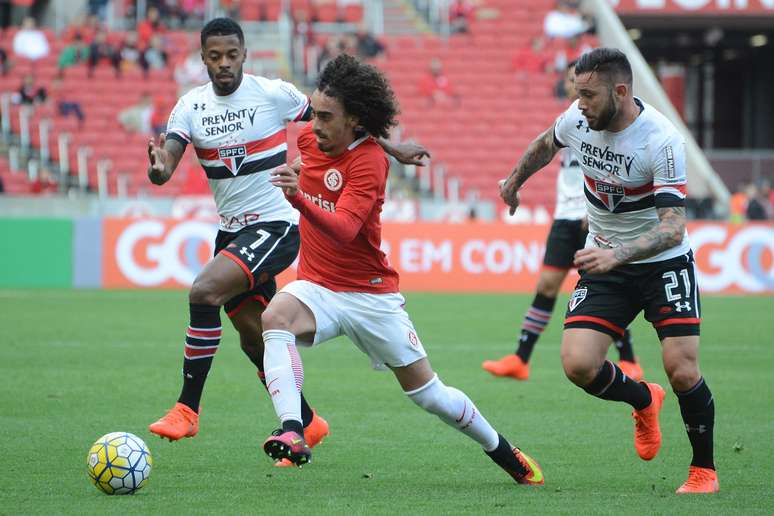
column 272, row 319
column 428, row 396
column 579, row 371
column 682, row 376
column 203, row 292
column 548, row 286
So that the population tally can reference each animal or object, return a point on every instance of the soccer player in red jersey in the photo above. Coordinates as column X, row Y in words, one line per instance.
column 345, row 284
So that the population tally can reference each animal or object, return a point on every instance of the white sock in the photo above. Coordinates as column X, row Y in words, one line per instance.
column 456, row 410
column 284, row 373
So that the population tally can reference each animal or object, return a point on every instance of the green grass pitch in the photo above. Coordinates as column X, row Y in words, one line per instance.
column 77, row 364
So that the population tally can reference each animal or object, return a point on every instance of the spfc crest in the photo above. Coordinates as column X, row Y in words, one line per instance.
column 578, row 295
column 610, row 194
column 233, row 157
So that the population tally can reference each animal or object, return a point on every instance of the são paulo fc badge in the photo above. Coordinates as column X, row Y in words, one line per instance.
column 333, row 180
column 578, row 295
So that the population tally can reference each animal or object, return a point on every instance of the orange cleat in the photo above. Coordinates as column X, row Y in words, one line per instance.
column 509, row 365
column 647, row 434
column 179, row 422
column 631, row 369
column 314, row 434
column 700, row 481
column 534, row 476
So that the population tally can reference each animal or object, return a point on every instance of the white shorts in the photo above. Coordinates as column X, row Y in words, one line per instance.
column 376, row 323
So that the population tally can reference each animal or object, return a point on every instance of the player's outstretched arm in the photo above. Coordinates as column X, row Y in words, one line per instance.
column 163, row 159
column 408, row 153
column 539, row 154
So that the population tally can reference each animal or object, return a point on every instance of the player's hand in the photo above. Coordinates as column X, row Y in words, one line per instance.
column 286, row 178
column 509, row 192
column 410, row 153
column 296, row 165
column 157, row 158
column 595, row 260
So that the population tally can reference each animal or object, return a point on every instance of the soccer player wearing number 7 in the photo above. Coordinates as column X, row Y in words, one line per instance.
column 236, row 124
column 346, row 286
column 637, row 255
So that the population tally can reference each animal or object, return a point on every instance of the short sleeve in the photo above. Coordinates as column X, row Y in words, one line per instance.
column 179, row 123
column 669, row 174
column 562, row 127
column 291, row 103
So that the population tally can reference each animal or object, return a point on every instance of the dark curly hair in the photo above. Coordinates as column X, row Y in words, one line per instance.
column 222, row 27
column 363, row 92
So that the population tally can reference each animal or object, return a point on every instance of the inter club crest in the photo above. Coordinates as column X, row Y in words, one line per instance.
column 610, row 194
column 333, row 180
column 577, row 297
column 233, row 157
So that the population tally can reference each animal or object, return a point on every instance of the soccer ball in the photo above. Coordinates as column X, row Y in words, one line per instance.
column 119, row 463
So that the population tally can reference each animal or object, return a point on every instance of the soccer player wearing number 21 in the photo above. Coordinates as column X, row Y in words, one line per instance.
column 236, row 124
column 345, row 285
column 637, row 255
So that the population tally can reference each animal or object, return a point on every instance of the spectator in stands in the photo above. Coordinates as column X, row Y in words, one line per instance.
column 158, row 119
column 65, row 106
column 129, row 54
column 137, row 118
column 564, row 21
column 367, row 45
column 436, row 87
column 190, row 72
column 101, row 51
column 30, row 42
column 570, row 50
column 4, row 63
column 738, row 204
column 72, row 54
column 149, row 26
column 45, row 183
column 334, row 46
column 460, row 15
column 531, row 59
column 30, row 94
column 757, row 204
column 155, row 57
column 84, row 26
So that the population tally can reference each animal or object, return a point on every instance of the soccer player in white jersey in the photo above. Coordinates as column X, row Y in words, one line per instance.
column 346, row 285
column 637, row 255
column 568, row 235
column 236, row 124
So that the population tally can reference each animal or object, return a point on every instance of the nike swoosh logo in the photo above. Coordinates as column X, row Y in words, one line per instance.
column 271, row 382
column 464, row 407
column 295, row 441
column 537, row 475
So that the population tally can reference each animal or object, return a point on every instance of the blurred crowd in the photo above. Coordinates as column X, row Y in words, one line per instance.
column 752, row 201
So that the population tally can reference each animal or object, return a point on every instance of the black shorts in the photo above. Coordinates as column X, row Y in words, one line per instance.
column 262, row 251
column 566, row 237
column 666, row 291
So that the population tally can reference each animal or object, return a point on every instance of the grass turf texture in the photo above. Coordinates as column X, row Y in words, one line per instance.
column 78, row 364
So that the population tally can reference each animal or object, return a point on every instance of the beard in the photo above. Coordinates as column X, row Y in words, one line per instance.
column 606, row 115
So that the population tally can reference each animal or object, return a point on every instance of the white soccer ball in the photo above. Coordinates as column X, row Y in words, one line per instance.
column 119, row 463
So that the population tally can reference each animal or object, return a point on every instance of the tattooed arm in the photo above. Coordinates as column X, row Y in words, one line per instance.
column 667, row 234
column 539, row 154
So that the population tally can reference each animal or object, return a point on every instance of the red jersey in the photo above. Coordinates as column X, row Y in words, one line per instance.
column 340, row 200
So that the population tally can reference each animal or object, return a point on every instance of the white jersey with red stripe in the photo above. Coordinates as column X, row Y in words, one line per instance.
column 628, row 175
column 570, row 201
column 238, row 139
